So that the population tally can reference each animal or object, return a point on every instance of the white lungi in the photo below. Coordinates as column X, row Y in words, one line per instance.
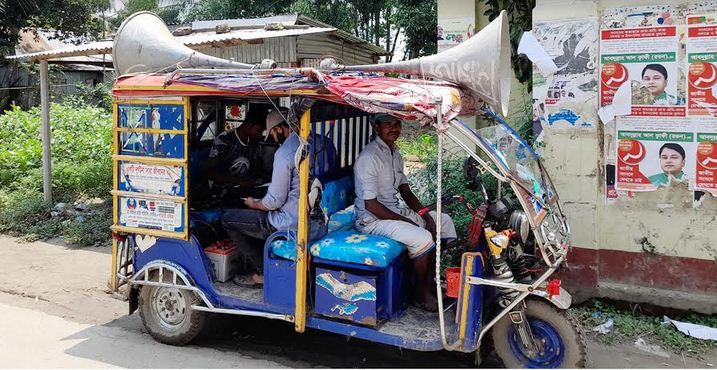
column 417, row 239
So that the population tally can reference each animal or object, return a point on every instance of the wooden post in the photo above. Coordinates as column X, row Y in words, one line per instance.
column 46, row 143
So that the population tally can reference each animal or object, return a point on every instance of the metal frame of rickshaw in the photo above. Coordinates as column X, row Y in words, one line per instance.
column 470, row 328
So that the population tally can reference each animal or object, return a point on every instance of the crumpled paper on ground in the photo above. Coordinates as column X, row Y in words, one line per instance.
column 693, row 330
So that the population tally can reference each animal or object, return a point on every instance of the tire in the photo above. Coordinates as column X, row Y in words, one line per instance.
column 564, row 344
column 168, row 316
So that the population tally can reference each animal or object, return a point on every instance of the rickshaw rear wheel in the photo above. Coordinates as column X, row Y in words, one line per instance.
column 562, row 343
column 168, row 316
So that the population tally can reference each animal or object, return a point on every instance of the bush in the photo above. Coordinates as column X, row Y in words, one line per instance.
column 89, row 95
column 21, row 210
column 82, row 168
column 91, row 229
column 81, row 149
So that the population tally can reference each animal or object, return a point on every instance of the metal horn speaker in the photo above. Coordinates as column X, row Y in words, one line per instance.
column 480, row 65
column 143, row 43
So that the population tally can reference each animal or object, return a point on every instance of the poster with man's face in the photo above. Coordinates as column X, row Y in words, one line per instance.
column 647, row 60
column 648, row 158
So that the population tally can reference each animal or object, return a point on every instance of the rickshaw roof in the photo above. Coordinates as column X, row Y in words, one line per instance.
column 408, row 99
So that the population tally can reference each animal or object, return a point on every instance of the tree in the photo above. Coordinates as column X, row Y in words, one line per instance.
column 224, row 9
column 419, row 22
column 170, row 14
column 68, row 19
column 377, row 21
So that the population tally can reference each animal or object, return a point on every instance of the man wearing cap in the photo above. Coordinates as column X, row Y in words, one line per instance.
column 234, row 160
column 380, row 181
column 277, row 210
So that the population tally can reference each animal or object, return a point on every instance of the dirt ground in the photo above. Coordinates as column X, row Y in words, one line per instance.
column 55, row 312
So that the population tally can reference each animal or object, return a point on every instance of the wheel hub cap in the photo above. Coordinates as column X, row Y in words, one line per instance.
column 169, row 306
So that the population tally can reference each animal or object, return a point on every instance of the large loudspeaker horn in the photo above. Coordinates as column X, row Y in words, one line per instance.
column 480, row 65
column 143, row 43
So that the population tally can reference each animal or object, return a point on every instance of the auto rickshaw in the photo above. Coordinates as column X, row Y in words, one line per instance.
column 168, row 240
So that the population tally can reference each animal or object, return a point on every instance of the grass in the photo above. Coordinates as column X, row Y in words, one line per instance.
column 629, row 325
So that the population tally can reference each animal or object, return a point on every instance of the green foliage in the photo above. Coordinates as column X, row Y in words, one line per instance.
column 87, row 95
column 82, row 167
column 70, row 18
column 80, row 135
column 630, row 325
column 227, row 9
column 21, row 210
column 92, row 229
column 520, row 16
column 170, row 14
column 419, row 21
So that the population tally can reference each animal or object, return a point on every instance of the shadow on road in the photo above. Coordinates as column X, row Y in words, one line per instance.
column 242, row 341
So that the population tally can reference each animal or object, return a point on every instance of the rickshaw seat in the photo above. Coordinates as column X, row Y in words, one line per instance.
column 346, row 246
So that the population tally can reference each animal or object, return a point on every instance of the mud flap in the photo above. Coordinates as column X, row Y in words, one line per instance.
column 561, row 301
column 133, row 299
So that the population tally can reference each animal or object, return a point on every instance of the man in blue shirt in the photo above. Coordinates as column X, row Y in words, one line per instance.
column 249, row 227
column 277, row 210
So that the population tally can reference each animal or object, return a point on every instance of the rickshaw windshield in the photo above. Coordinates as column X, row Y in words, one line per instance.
column 515, row 157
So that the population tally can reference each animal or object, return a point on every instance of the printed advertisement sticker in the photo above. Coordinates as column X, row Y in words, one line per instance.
column 151, row 214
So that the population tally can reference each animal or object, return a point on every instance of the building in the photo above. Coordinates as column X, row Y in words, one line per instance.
column 635, row 237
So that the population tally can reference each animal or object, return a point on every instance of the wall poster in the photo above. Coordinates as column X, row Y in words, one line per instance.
column 702, row 97
column 565, row 100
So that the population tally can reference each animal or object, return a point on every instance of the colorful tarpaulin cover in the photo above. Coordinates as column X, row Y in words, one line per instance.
column 403, row 98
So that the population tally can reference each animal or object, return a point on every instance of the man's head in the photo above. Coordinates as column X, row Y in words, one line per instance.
column 672, row 158
column 253, row 124
column 654, row 77
column 276, row 125
column 387, row 128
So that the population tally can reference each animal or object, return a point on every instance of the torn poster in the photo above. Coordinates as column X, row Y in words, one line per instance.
column 647, row 59
column 568, row 95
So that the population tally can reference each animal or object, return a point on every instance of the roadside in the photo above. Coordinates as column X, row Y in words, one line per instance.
column 53, row 297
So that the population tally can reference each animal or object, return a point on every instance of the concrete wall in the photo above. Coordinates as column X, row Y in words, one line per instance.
column 655, row 247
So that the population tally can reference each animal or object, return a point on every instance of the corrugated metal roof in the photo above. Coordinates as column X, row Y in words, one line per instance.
column 197, row 40
column 289, row 20
column 93, row 48
column 285, row 19
column 208, row 39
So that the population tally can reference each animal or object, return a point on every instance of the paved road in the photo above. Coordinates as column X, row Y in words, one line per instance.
column 54, row 312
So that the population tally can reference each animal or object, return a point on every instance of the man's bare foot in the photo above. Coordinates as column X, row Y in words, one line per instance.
column 258, row 279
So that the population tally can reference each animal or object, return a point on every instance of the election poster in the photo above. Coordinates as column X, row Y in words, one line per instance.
column 647, row 59
column 568, row 95
column 652, row 151
column 702, row 96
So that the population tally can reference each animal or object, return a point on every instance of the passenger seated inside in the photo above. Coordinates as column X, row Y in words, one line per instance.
column 277, row 210
column 234, row 164
column 379, row 178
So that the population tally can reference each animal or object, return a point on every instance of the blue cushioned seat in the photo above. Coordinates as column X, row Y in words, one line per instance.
column 347, row 246
column 342, row 220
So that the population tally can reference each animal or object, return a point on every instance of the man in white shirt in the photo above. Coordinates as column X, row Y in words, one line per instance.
column 380, row 180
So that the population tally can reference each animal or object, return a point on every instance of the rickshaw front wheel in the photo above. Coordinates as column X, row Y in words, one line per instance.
column 560, row 342
column 168, row 316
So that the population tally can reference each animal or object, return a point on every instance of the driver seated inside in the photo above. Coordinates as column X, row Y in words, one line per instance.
column 380, row 180
column 277, row 210
column 234, row 164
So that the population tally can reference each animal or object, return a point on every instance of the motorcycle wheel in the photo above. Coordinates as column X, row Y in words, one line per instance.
column 563, row 346
column 168, row 316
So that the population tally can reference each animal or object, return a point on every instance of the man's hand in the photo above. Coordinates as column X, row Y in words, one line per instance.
column 430, row 225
